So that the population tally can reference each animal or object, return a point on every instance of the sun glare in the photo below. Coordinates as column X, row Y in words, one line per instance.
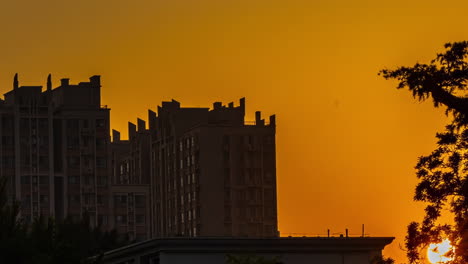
column 436, row 252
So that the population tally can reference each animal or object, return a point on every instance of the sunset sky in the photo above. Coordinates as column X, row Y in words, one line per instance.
column 347, row 140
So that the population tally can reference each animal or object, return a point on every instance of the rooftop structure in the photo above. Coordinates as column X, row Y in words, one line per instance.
column 294, row 250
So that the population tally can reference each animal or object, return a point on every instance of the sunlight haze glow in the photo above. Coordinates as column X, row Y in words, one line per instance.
column 436, row 252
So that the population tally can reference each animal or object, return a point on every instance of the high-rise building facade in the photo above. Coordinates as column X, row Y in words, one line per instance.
column 213, row 173
column 131, row 181
column 54, row 149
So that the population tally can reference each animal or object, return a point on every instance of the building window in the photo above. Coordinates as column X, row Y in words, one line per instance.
column 43, row 163
column 100, row 142
column 43, row 179
column 73, row 142
column 139, row 200
column 102, row 180
column 73, row 180
column 7, row 141
column 101, row 162
column 27, row 219
column 120, row 200
column 142, row 237
column 100, row 123
column 121, row 219
column 102, row 219
column 26, row 202
column 140, row 219
column 89, row 199
column 74, row 199
column 44, row 198
column 25, row 179
column 88, row 180
column 99, row 200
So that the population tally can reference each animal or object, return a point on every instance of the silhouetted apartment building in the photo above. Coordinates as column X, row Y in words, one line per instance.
column 213, row 173
column 192, row 172
column 131, row 182
column 54, row 149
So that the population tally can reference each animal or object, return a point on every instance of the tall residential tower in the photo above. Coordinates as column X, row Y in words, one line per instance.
column 55, row 149
column 213, row 173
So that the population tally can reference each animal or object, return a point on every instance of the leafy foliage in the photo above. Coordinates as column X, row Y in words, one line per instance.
column 47, row 241
column 444, row 78
column 443, row 184
column 443, row 175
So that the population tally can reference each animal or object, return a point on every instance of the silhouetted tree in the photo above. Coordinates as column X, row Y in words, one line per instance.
column 444, row 79
column 46, row 241
column 443, row 175
column 14, row 245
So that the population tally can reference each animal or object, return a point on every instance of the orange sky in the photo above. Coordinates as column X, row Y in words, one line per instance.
column 347, row 141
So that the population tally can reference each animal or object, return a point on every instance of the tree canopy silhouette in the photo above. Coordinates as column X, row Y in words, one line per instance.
column 444, row 79
column 46, row 241
column 443, row 175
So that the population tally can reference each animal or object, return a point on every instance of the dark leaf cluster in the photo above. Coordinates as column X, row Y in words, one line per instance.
column 443, row 180
column 444, row 79
column 443, row 174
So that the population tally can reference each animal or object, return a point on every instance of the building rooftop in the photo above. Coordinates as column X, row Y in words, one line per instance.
column 230, row 245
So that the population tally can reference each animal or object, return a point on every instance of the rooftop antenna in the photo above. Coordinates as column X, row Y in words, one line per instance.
column 15, row 82
column 49, row 82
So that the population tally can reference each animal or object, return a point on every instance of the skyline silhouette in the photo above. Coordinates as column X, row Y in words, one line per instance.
column 347, row 141
column 191, row 172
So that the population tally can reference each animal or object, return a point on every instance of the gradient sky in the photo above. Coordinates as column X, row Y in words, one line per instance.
column 347, row 141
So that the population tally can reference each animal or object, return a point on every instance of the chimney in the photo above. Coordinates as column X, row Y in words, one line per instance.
column 151, row 119
column 64, row 82
column 49, row 82
column 258, row 119
column 95, row 80
column 217, row 105
column 141, row 125
column 273, row 120
column 15, row 81
column 131, row 130
column 231, row 105
column 242, row 105
column 115, row 136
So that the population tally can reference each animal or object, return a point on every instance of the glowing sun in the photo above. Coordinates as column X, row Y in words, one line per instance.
column 436, row 252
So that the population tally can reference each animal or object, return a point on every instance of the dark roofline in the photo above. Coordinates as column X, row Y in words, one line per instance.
column 252, row 245
column 24, row 86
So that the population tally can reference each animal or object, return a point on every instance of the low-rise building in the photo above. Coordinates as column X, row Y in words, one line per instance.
column 287, row 250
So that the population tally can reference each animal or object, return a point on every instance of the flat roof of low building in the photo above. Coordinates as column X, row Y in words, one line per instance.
column 251, row 245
